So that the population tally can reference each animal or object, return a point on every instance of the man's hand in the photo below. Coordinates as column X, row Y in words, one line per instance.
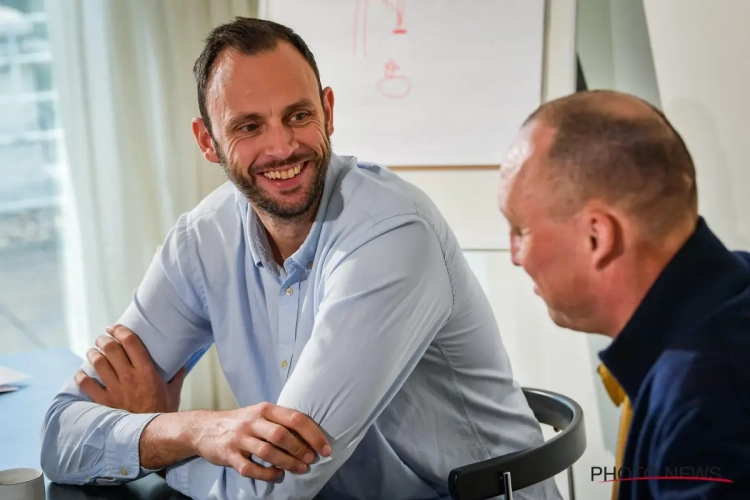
column 280, row 436
column 131, row 381
column 284, row 438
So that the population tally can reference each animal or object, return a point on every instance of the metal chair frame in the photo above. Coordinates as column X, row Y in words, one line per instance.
column 494, row 477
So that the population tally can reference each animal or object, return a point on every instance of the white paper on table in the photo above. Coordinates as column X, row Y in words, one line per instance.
column 8, row 376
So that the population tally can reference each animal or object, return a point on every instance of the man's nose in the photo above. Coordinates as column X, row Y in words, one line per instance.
column 280, row 141
column 514, row 259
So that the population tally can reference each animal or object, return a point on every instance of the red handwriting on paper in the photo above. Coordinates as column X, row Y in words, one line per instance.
column 359, row 31
column 360, row 26
column 398, row 6
column 393, row 85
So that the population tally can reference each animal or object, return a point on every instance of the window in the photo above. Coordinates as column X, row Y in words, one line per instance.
column 32, row 312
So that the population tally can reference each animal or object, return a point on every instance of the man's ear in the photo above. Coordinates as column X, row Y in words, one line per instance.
column 327, row 99
column 605, row 235
column 205, row 141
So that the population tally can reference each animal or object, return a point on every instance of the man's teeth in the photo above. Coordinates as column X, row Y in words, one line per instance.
column 284, row 174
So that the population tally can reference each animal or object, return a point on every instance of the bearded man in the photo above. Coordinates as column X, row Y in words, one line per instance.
column 362, row 351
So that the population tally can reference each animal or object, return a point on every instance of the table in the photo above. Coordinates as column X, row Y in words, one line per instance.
column 21, row 417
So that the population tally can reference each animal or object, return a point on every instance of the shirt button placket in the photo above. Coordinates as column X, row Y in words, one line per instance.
column 287, row 344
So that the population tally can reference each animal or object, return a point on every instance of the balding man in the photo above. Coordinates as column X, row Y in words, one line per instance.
column 600, row 193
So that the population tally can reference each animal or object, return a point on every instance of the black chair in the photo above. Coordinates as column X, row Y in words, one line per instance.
column 492, row 477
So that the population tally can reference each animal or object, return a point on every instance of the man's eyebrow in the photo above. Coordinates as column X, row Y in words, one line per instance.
column 302, row 103
column 241, row 118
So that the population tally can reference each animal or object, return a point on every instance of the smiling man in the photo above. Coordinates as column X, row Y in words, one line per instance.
column 600, row 193
column 346, row 319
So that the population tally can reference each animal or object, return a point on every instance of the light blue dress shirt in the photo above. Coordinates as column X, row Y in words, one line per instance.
column 376, row 328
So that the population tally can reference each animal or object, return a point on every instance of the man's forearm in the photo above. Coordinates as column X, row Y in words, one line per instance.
column 169, row 438
column 83, row 441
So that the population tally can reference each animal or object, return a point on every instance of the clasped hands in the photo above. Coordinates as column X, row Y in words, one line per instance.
column 282, row 437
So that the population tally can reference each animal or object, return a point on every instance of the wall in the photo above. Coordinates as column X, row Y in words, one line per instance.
column 614, row 47
column 701, row 58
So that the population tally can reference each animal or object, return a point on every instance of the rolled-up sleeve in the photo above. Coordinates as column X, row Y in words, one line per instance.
column 382, row 304
column 83, row 442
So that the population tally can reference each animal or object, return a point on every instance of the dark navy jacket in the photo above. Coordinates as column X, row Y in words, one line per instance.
column 684, row 361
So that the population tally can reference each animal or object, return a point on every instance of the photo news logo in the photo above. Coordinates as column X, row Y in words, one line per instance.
column 685, row 473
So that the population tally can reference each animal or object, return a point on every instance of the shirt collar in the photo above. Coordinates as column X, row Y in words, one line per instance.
column 689, row 286
column 260, row 248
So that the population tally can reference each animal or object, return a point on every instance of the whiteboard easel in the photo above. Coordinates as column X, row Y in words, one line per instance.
column 470, row 205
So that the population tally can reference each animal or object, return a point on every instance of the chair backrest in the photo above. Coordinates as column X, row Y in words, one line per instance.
column 531, row 466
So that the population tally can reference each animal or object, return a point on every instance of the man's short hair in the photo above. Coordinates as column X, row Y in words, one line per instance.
column 625, row 153
column 251, row 37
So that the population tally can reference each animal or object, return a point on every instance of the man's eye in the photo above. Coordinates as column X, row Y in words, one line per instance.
column 251, row 127
column 297, row 117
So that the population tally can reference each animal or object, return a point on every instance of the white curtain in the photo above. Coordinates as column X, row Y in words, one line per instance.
column 127, row 95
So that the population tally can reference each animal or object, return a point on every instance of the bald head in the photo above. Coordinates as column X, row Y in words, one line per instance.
column 615, row 148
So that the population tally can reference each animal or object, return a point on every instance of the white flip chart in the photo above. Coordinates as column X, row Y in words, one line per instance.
column 424, row 82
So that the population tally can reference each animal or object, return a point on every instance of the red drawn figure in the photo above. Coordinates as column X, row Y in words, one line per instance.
column 394, row 86
column 398, row 6
column 360, row 26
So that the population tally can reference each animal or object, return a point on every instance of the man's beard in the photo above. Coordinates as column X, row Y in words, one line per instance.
column 245, row 180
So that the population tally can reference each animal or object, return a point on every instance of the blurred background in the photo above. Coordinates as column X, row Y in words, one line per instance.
column 32, row 312
column 97, row 161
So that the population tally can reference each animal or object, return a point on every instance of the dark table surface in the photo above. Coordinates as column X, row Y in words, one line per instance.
column 22, row 415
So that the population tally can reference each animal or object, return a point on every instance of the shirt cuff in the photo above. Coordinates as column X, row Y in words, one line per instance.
column 123, row 446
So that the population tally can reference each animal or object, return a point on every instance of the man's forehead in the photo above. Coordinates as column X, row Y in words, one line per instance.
column 519, row 152
column 521, row 163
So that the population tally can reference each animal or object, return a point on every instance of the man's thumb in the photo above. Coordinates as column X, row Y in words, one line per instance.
column 178, row 378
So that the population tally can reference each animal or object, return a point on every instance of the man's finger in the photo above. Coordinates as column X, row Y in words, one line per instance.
column 91, row 387
column 248, row 468
column 114, row 353
column 302, row 425
column 134, row 348
column 272, row 454
column 281, row 438
column 102, row 366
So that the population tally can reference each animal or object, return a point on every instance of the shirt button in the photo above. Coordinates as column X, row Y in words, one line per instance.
column 124, row 471
column 284, row 364
column 309, row 265
column 289, row 291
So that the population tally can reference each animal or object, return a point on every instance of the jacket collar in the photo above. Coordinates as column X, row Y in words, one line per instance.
column 697, row 279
